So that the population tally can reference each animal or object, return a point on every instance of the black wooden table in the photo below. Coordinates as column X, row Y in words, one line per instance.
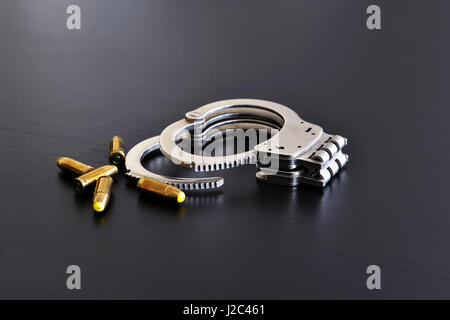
column 137, row 66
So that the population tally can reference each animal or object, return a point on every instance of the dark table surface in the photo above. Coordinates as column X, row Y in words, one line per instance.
column 137, row 66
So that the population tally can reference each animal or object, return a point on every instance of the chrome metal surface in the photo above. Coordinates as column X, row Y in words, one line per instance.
column 135, row 169
column 304, row 153
column 294, row 142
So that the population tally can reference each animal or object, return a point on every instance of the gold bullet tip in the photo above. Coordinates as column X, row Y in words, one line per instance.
column 181, row 197
column 98, row 206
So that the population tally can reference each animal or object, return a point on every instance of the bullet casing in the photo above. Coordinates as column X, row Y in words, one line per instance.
column 161, row 188
column 116, row 151
column 89, row 178
column 102, row 193
column 73, row 166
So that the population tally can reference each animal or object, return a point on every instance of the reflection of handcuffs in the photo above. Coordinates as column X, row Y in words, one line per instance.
column 301, row 150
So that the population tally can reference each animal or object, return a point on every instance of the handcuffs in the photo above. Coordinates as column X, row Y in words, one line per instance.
column 296, row 152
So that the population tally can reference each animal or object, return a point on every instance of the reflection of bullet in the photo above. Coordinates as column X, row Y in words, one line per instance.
column 102, row 193
column 87, row 179
column 116, row 151
column 161, row 188
column 73, row 166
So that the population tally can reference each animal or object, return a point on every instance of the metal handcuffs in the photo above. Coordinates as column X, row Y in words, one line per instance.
column 304, row 153
column 135, row 169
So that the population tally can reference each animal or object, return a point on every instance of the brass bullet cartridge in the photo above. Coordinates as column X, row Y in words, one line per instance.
column 89, row 178
column 73, row 166
column 116, row 151
column 163, row 189
column 102, row 193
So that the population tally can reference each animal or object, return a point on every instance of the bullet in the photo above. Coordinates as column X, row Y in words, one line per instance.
column 102, row 193
column 116, row 151
column 163, row 189
column 72, row 166
column 89, row 178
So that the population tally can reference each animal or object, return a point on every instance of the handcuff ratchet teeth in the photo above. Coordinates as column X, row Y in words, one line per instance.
column 135, row 169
